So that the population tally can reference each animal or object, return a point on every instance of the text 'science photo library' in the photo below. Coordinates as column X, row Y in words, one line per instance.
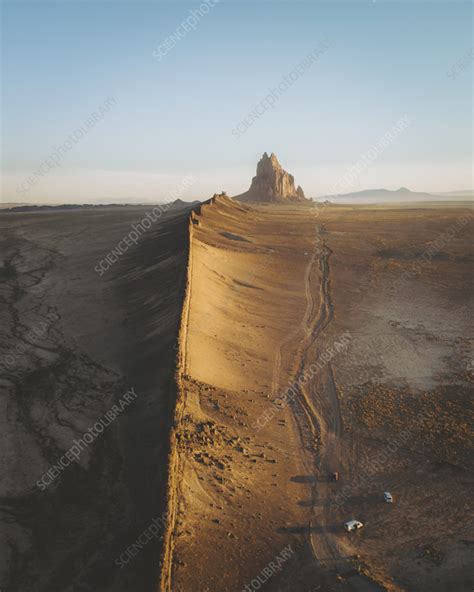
column 236, row 296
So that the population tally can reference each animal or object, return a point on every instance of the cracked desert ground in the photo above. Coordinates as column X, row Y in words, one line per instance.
column 362, row 314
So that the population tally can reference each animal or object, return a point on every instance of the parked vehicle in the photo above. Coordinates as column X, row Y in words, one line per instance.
column 353, row 525
column 335, row 476
column 387, row 497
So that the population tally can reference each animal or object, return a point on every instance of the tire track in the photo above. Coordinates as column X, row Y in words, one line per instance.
column 328, row 427
column 316, row 431
column 305, row 325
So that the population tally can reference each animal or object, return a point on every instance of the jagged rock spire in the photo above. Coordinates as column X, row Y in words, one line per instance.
column 272, row 183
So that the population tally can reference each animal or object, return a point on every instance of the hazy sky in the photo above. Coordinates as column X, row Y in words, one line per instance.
column 183, row 113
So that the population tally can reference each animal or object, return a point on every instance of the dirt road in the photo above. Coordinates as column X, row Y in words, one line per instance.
column 319, row 416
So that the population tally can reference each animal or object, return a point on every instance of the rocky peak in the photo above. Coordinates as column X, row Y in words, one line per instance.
column 272, row 183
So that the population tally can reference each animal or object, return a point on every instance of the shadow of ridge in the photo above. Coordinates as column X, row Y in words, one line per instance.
column 312, row 479
column 306, row 529
column 313, row 503
column 304, row 479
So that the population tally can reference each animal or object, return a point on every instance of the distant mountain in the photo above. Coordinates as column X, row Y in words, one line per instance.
column 383, row 196
column 12, row 204
column 179, row 203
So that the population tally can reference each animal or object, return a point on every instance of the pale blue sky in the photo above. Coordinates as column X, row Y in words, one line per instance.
column 174, row 117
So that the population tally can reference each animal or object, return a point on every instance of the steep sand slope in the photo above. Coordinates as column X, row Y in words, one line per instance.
column 72, row 344
column 238, row 486
column 272, row 293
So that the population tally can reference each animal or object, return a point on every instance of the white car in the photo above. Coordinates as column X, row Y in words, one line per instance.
column 353, row 525
column 387, row 497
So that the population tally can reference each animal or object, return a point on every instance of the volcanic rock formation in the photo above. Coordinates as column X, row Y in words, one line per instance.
column 272, row 183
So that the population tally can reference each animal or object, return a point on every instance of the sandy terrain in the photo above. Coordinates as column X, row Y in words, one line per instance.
column 269, row 346
column 271, row 291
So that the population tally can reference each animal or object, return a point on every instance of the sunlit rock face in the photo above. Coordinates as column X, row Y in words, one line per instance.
column 272, row 183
